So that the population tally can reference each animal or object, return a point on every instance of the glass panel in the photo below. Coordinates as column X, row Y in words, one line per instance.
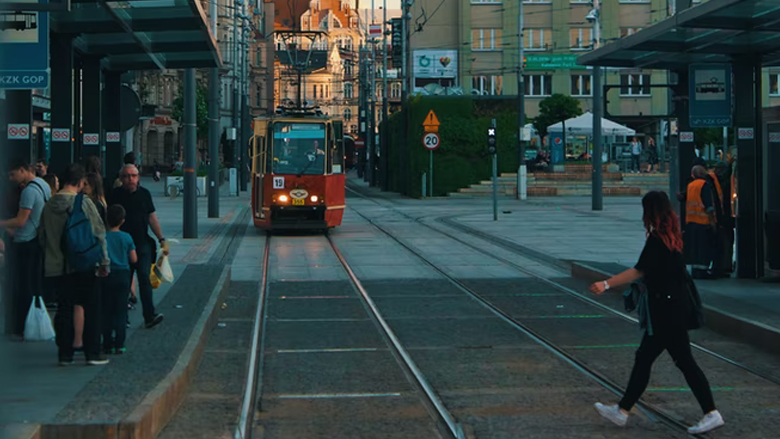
column 498, row 83
column 646, row 83
column 773, row 84
column 298, row 148
column 547, row 82
column 624, row 84
column 476, row 39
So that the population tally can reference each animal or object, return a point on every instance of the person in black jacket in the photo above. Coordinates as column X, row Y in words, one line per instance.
column 663, row 269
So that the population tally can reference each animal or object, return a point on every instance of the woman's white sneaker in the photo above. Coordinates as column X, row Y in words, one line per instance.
column 613, row 413
column 709, row 422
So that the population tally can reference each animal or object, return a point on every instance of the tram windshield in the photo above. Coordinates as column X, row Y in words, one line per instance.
column 299, row 148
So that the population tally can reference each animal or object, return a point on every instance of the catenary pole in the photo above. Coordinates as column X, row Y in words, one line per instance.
column 520, row 91
column 598, row 111
column 190, row 213
column 214, row 182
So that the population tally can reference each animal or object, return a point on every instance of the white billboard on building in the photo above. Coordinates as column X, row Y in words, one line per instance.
column 435, row 63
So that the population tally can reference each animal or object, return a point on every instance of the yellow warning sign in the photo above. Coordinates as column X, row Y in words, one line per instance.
column 431, row 123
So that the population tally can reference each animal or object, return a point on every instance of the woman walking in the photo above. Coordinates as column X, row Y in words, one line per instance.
column 662, row 267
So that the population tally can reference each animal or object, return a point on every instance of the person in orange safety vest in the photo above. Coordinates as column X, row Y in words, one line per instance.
column 700, row 224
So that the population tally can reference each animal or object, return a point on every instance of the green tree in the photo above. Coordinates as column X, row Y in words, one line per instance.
column 201, row 109
column 556, row 108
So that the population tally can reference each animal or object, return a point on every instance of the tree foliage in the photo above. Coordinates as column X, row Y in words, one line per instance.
column 201, row 109
column 556, row 108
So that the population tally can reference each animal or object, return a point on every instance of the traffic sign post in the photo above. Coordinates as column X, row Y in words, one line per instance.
column 492, row 145
column 431, row 141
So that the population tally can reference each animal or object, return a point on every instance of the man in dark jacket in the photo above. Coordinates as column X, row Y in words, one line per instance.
column 139, row 206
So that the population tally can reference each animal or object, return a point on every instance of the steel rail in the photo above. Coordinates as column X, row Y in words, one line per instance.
column 254, row 377
column 498, row 242
column 454, row 427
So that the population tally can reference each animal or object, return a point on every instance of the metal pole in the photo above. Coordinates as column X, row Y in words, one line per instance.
column 234, row 62
column 431, row 164
column 385, row 156
column 520, row 93
column 190, row 152
column 597, row 179
column 495, row 179
column 214, row 182
column 242, row 172
column 404, row 144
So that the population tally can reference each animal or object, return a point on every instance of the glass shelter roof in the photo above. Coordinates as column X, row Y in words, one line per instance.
column 717, row 31
column 141, row 34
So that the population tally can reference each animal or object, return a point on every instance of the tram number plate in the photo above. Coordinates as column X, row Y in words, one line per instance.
column 297, row 201
column 278, row 182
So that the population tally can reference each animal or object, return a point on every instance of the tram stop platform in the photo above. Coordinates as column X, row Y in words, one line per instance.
column 136, row 393
column 565, row 233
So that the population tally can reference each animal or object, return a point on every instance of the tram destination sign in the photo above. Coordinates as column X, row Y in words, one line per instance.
column 24, row 49
column 710, row 95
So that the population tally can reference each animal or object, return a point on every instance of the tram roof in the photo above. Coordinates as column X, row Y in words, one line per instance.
column 717, row 31
column 141, row 34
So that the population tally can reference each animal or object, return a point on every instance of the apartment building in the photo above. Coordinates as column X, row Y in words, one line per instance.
column 330, row 79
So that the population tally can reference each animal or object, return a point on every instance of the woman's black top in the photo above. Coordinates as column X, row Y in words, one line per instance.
column 664, row 276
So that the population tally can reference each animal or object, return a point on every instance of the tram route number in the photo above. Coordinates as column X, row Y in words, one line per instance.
column 431, row 141
column 278, row 182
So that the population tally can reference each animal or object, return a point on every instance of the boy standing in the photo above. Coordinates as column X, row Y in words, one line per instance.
column 116, row 287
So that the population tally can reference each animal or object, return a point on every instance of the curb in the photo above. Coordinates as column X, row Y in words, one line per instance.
column 747, row 331
column 151, row 415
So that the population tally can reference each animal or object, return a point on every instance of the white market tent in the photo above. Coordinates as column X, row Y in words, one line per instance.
column 583, row 126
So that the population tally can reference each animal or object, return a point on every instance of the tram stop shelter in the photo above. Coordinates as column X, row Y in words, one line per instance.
column 746, row 35
column 91, row 46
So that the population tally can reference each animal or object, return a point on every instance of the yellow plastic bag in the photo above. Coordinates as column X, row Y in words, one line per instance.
column 155, row 280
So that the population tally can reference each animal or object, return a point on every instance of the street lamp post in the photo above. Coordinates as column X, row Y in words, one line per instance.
column 594, row 17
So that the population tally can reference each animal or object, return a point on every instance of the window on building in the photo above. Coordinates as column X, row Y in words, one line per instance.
column 486, row 1
column 581, row 38
column 353, row 128
column 774, row 84
column 259, row 96
column 486, row 39
column 327, row 91
column 348, row 90
column 626, row 31
column 348, row 68
column 635, row 84
column 580, row 85
column 259, row 57
column 641, row 1
column 538, row 85
column 395, row 90
column 487, row 85
column 322, row 89
column 535, row 38
column 314, row 92
column 537, row 1
column 348, row 114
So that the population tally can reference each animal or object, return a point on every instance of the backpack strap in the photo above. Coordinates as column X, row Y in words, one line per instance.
column 40, row 188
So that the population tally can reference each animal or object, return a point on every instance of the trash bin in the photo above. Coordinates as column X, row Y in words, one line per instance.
column 772, row 230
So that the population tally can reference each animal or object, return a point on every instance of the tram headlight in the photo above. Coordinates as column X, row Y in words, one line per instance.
column 314, row 198
column 283, row 198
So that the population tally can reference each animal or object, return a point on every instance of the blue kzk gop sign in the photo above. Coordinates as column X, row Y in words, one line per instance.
column 710, row 95
column 24, row 49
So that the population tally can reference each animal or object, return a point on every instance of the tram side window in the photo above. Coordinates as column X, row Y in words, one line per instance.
column 299, row 148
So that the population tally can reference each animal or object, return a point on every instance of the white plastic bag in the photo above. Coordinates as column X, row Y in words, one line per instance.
column 163, row 269
column 38, row 324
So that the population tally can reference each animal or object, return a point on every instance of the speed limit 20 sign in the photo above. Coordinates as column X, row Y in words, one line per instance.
column 430, row 141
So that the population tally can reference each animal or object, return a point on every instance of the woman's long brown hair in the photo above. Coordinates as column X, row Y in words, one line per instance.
column 660, row 219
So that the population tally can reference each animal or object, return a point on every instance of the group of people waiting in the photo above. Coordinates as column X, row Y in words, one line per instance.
column 91, row 304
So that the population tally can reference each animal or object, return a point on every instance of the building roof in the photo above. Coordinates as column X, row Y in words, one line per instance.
column 717, row 31
column 141, row 34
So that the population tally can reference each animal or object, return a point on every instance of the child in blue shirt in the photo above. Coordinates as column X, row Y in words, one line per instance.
column 116, row 287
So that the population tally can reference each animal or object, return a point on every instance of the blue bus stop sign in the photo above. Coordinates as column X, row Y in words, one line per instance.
column 24, row 50
column 710, row 95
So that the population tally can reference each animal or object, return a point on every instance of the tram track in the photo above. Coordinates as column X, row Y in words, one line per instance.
column 653, row 411
column 448, row 221
column 448, row 427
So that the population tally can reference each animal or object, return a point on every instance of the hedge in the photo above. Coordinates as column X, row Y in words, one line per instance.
column 461, row 158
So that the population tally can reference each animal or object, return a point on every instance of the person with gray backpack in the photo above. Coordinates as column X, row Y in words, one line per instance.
column 74, row 239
